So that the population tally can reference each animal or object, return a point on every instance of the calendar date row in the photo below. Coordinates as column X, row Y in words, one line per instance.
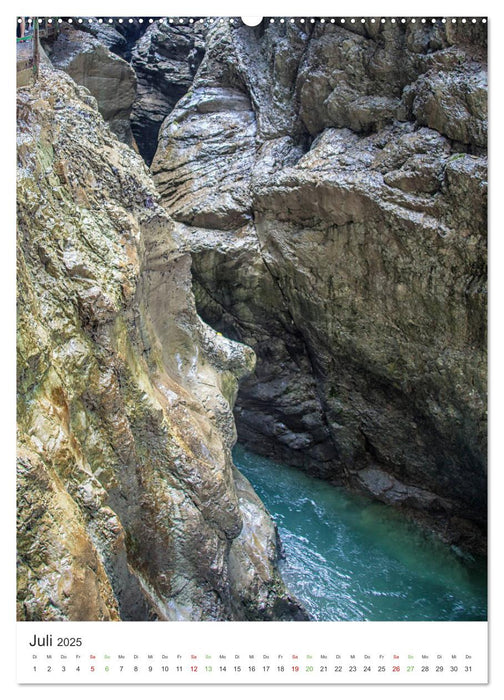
column 282, row 668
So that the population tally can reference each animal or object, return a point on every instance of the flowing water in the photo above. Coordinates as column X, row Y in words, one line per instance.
column 349, row 558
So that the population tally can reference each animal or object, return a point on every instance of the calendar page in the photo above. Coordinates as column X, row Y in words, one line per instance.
column 251, row 347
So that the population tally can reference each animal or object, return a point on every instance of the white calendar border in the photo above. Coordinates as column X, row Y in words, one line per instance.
column 278, row 8
column 253, row 652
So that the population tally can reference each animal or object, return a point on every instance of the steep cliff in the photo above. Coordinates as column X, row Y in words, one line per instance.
column 330, row 183
column 108, row 77
column 320, row 193
column 165, row 60
column 129, row 505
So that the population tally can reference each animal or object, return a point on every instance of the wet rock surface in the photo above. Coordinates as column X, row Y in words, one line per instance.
column 337, row 225
column 108, row 77
column 129, row 505
column 165, row 61
column 118, row 34
column 320, row 193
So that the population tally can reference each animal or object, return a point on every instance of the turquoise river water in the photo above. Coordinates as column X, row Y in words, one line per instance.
column 349, row 558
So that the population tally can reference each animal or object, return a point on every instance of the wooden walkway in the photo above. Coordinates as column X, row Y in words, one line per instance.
column 25, row 52
column 24, row 62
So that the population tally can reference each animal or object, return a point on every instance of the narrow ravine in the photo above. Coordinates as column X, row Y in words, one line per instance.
column 275, row 235
column 348, row 558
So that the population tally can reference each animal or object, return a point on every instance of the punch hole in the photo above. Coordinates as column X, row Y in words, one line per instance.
column 251, row 21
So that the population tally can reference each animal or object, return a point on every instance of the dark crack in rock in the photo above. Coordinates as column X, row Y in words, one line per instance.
column 165, row 60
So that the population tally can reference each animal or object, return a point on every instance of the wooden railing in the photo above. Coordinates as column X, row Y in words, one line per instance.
column 28, row 53
column 47, row 26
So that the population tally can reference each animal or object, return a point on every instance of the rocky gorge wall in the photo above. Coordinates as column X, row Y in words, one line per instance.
column 319, row 198
column 129, row 505
column 330, row 183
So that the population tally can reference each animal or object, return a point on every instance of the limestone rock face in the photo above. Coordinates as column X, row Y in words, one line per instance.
column 106, row 33
column 453, row 104
column 349, row 252
column 118, row 35
column 165, row 60
column 129, row 505
column 107, row 77
column 224, row 117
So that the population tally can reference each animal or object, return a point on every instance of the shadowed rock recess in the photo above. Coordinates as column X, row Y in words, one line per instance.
column 319, row 199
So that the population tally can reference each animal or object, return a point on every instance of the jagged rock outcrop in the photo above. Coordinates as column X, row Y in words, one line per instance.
column 330, row 183
column 108, row 77
column 129, row 505
column 118, row 34
column 105, row 32
column 165, row 60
